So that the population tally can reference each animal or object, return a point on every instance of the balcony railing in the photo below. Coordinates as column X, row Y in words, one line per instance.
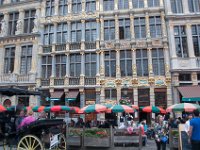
column 90, row 45
column 15, row 78
column 90, row 81
column 75, row 45
column 74, row 81
column 47, row 49
column 61, row 47
column 59, row 81
column 45, row 82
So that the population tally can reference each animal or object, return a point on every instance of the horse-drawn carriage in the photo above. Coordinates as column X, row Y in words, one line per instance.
column 39, row 135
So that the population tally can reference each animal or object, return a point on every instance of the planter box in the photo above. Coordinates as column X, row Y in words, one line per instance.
column 96, row 142
column 74, row 141
column 126, row 139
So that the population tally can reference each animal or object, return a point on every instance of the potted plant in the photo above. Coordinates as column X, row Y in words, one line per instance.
column 96, row 138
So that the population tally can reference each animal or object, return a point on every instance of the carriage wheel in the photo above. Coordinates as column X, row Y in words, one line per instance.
column 30, row 142
column 62, row 143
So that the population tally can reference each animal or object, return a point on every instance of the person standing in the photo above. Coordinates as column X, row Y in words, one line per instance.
column 194, row 131
column 19, row 118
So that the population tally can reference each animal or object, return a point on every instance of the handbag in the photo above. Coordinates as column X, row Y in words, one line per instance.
column 164, row 139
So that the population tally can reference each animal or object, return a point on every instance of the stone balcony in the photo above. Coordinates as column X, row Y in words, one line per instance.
column 16, row 79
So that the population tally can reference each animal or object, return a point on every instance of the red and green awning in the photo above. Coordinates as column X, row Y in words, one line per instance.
column 38, row 108
column 96, row 108
column 2, row 108
column 153, row 109
column 57, row 108
column 187, row 107
column 120, row 108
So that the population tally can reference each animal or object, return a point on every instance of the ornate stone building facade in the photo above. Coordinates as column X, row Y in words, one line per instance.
column 183, row 29
column 18, row 48
column 101, row 51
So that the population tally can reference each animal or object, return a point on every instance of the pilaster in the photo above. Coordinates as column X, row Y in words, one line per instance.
column 98, row 60
column 148, row 36
column 55, row 33
column 132, row 27
column 69, row 31
column 98, row 29
column 17, row 59
column 134, row 68
column 161, row 3
column 189, row 40
column 102, row 69
column 145, row 4
column 56, row 5
column 168, row 7
column 130, row 4
column 67, row 65
column 2, row 51
column 82, row 63
column 194, row 78
column 83, row 31
column 82, row 97
column 53, row 71
column 118, row 73
column 83, row 5
column 69, row 6
column 185, row 7
column 102, row 95
column 102, row 28
column 115, row 4
column 167, row 60
column 135, row 93
column 118, row 94
column 98, row 92
column 34, row 58
column 169, row 95
column 150, row 62
column 163, row 23
column 116, row 28
column 152, row 96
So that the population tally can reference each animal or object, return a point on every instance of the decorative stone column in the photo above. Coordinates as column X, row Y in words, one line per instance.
column 97, row 5
column 4, row 25
column 56, row 5
column 70, row 6
column 116, row 28
column 53, row 71
column 115, row 4
column 55, row 33
column 145, row 3
column 69, row 31
column 161, row 3
column 98, row 29
column 100, row 5
column 148, row 36
column 118, row 73
column 82, row 97
column 102, row 95
column 172, row 45
column 167, row 61
column 118, row 93
column 189, row 40
column 83, row 31
column 130, row 4
column 67, row 65
column 169, row 95
column 17, row 59
column 163, row 23
column 98, row 92
column 150, row 62
column 152, row 99
column 132, row 27
column 98, row 65
column 82, row 75
column 102, row 28
column 194, row 78
column 102, row 69
column 83, row 6
column 2, row 58
column 20, row 22
column 134, row 66
column 135, row 93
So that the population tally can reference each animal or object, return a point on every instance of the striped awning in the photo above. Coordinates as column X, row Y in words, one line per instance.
column 56, row 95
column 72, row 95
column 190, row 93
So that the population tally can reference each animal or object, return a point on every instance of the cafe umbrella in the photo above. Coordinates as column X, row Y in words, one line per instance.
column 96, row 108
column 153, row 109
column 57, row 108
column 187, row 107
column 2, row 108
column 38, row 108
column 120, row 108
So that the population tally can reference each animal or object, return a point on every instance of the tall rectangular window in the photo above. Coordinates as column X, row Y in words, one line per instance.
column 181, row 41
column 46, row 66
column 60, row 65
column 1, row 19
column 124, row 29
column 62, row 33
column 123, row 4
column 48, row 34
column 155, row 26
column 75, row 65
column 143, row 97
column 110, row 63
column 13, row 17
column 142, row 62
column 196, row 39
column 50, row 7
column 90, row 64
column 139, row 28
column 158, row 62
column 90, row 31
column 138, row 3
column 108, row 5
column 63, row 7
column 161, row 98
column 9, row 60
column 26, row 59
column 126, row 63
column 153, row 3
column 111, row 94
column 76, row 31
column 194, row 5
column 29, row 21
column 90, row 5
column 76, row 6
column 109, row 30
column 176, row 6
